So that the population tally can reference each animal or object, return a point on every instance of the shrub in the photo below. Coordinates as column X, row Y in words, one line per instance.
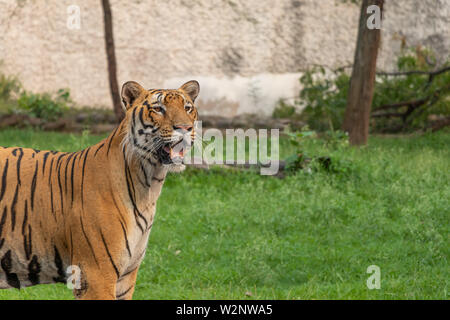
column 422, row 94
column 9, row 89
column 45, row 106
column 284, row 110
column 308, row 146
column 9, row 86
column 323, row 97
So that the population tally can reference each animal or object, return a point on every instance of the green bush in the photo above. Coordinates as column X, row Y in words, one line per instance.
column 323, row 98
column 433, row 91
column 284, row 110
column 45, row 106
column 309, row 147
column 8, row 87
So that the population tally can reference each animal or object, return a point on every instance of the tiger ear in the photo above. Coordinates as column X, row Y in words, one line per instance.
column 192, row 88
column 131, row 90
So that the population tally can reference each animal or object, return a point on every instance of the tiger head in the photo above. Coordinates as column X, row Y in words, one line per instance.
column 160, row 123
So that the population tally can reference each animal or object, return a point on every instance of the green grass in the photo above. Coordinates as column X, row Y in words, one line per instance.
column 218, row 235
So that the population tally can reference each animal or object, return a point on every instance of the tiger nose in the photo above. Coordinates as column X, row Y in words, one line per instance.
column 186, row 127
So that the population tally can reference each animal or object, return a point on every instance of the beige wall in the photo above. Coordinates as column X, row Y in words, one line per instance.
column 245, row 53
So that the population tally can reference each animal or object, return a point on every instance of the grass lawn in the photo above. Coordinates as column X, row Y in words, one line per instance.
column 220, row 235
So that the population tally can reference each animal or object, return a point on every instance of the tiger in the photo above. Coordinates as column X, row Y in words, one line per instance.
column 84, row 218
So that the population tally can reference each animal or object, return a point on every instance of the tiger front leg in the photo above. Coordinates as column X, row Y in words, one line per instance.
column 98, row 268
column 125, row 285
column 95, row 283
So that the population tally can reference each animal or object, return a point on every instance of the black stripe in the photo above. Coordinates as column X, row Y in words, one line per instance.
column 28, row 243
column 13, row 209
column 45, row 161
column 51, row 187
column 33, row 184
column 5, row 173
column 2, row 224
column 34, row 268
column 71, row 176
column 11, row 278
column 127, row 273
column 6, row 262
column 145, row 103
column 131, row 195
column 59, row 266
column 51, row 201
column 141, row 119
column 3, row 220
column 111, row 139
column 18, row 166
column 82, row 178
column 126, row 238
column 50, row 172
column 25, row 217
column 134, row 196
column 58, row 169
column 145, row 175
column 87, row 240
column 123, row 226
column 65, row 170
column 98, row 149
column 134, row 118
column 26, row 237
column 120, row 295
column 109, row 255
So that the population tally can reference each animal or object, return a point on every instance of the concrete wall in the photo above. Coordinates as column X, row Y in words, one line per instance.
column 245, row 53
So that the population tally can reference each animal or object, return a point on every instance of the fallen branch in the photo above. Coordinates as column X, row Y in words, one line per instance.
column 440, row 124
column 411, row 72
column 387, row 115
column 412, row 103
column 430, row 74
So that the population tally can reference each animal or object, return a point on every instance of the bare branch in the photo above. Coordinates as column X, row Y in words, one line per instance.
column 412, row 103
column 387, row 115
column 419, row 72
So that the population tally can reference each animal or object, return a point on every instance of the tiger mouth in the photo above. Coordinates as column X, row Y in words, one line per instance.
column 173, row 153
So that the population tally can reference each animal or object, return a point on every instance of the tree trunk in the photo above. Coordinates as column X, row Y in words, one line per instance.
column 359, row 103
column 111, row 56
